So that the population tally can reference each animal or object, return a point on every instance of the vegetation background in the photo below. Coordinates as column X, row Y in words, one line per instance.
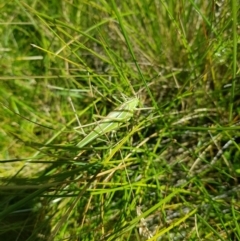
column 171, row 172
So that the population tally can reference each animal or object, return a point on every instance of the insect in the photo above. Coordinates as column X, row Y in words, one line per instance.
column 112, row 121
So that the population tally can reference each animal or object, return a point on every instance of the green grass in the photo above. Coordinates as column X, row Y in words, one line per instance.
column 171, row 172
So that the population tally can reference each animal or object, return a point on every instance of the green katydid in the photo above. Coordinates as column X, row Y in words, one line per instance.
column 112, row 121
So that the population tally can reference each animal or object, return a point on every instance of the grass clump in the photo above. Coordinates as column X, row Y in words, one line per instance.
column 171, row 171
